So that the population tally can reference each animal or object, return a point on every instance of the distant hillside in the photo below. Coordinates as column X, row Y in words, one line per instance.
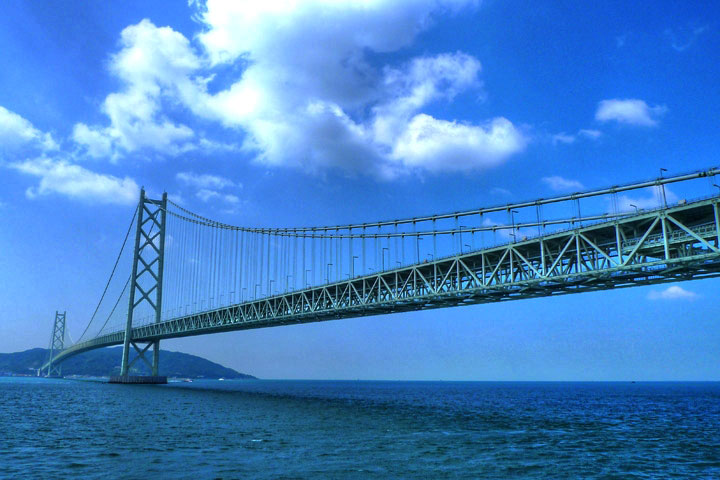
column 106, row 361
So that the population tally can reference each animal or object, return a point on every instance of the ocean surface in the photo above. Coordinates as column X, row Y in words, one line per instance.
column 344, row 429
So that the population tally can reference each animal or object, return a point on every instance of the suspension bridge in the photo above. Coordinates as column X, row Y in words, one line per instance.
column 187, row 274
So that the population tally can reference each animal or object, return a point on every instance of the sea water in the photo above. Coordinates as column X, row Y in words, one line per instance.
column 346, row 429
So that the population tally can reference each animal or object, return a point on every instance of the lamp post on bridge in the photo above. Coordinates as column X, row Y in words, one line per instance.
column 352, row 266
column 512, row 220
column 637, row 210
column 383, row 257
column 662, row 186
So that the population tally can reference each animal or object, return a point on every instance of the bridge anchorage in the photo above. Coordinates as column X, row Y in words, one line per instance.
column 190, row 275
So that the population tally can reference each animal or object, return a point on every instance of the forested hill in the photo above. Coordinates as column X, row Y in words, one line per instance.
column 106, row 361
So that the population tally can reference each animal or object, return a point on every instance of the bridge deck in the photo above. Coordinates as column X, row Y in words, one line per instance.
column 664, row 245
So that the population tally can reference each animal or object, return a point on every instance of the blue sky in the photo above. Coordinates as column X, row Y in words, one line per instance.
column 309, row 113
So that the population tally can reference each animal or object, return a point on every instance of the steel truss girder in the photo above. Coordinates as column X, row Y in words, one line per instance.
column 667, row 245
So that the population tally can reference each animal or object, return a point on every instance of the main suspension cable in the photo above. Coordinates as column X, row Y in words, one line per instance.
column 107, row 285
column 479, row 211
column 116, row 304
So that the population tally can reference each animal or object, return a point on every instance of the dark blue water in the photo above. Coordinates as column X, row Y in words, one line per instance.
column 314, row 429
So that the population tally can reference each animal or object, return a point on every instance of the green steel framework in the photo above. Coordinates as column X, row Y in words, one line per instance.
column 146, row 281
column 665, row 245
column 57, row 343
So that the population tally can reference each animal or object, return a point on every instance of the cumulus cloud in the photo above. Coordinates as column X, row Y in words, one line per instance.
column 209, row 187
column 74, row 181
column 423, row 80
column 304, row 96
column 629, row 111
column 204, row 180
column 560, row 184
column 304, row 93
column 235, row 29
column 672, row 293
column 438, row 145
column 154, row 65
column 16, row 132
column 206, row 195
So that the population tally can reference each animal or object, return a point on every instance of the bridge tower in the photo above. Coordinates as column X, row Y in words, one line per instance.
column 146, row 284
column 57, row 343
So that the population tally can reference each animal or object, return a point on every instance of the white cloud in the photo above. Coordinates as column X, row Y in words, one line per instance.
column 74, row 181
column 439, row 145
column 305, row 94
column 567, row 138
column 319, row 107
column 17, row 132
column 505, row 234
column 560, row 184
column 423, row 80
column 563, row 137
column 204, row 180
column 234, row 199
column 500, row 191
column 208, row 187
column 672, row 293
column 629, row 111
column 154, row 65
column 240, row 28
column 652, row 199
column 212, row 146
column 684, row 38
column 206, row 195
column 97, row 143
column 589, row 133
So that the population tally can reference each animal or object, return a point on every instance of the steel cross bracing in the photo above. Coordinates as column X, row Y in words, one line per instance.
column 57, row 343
column 146, row 280
column 665, row 245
